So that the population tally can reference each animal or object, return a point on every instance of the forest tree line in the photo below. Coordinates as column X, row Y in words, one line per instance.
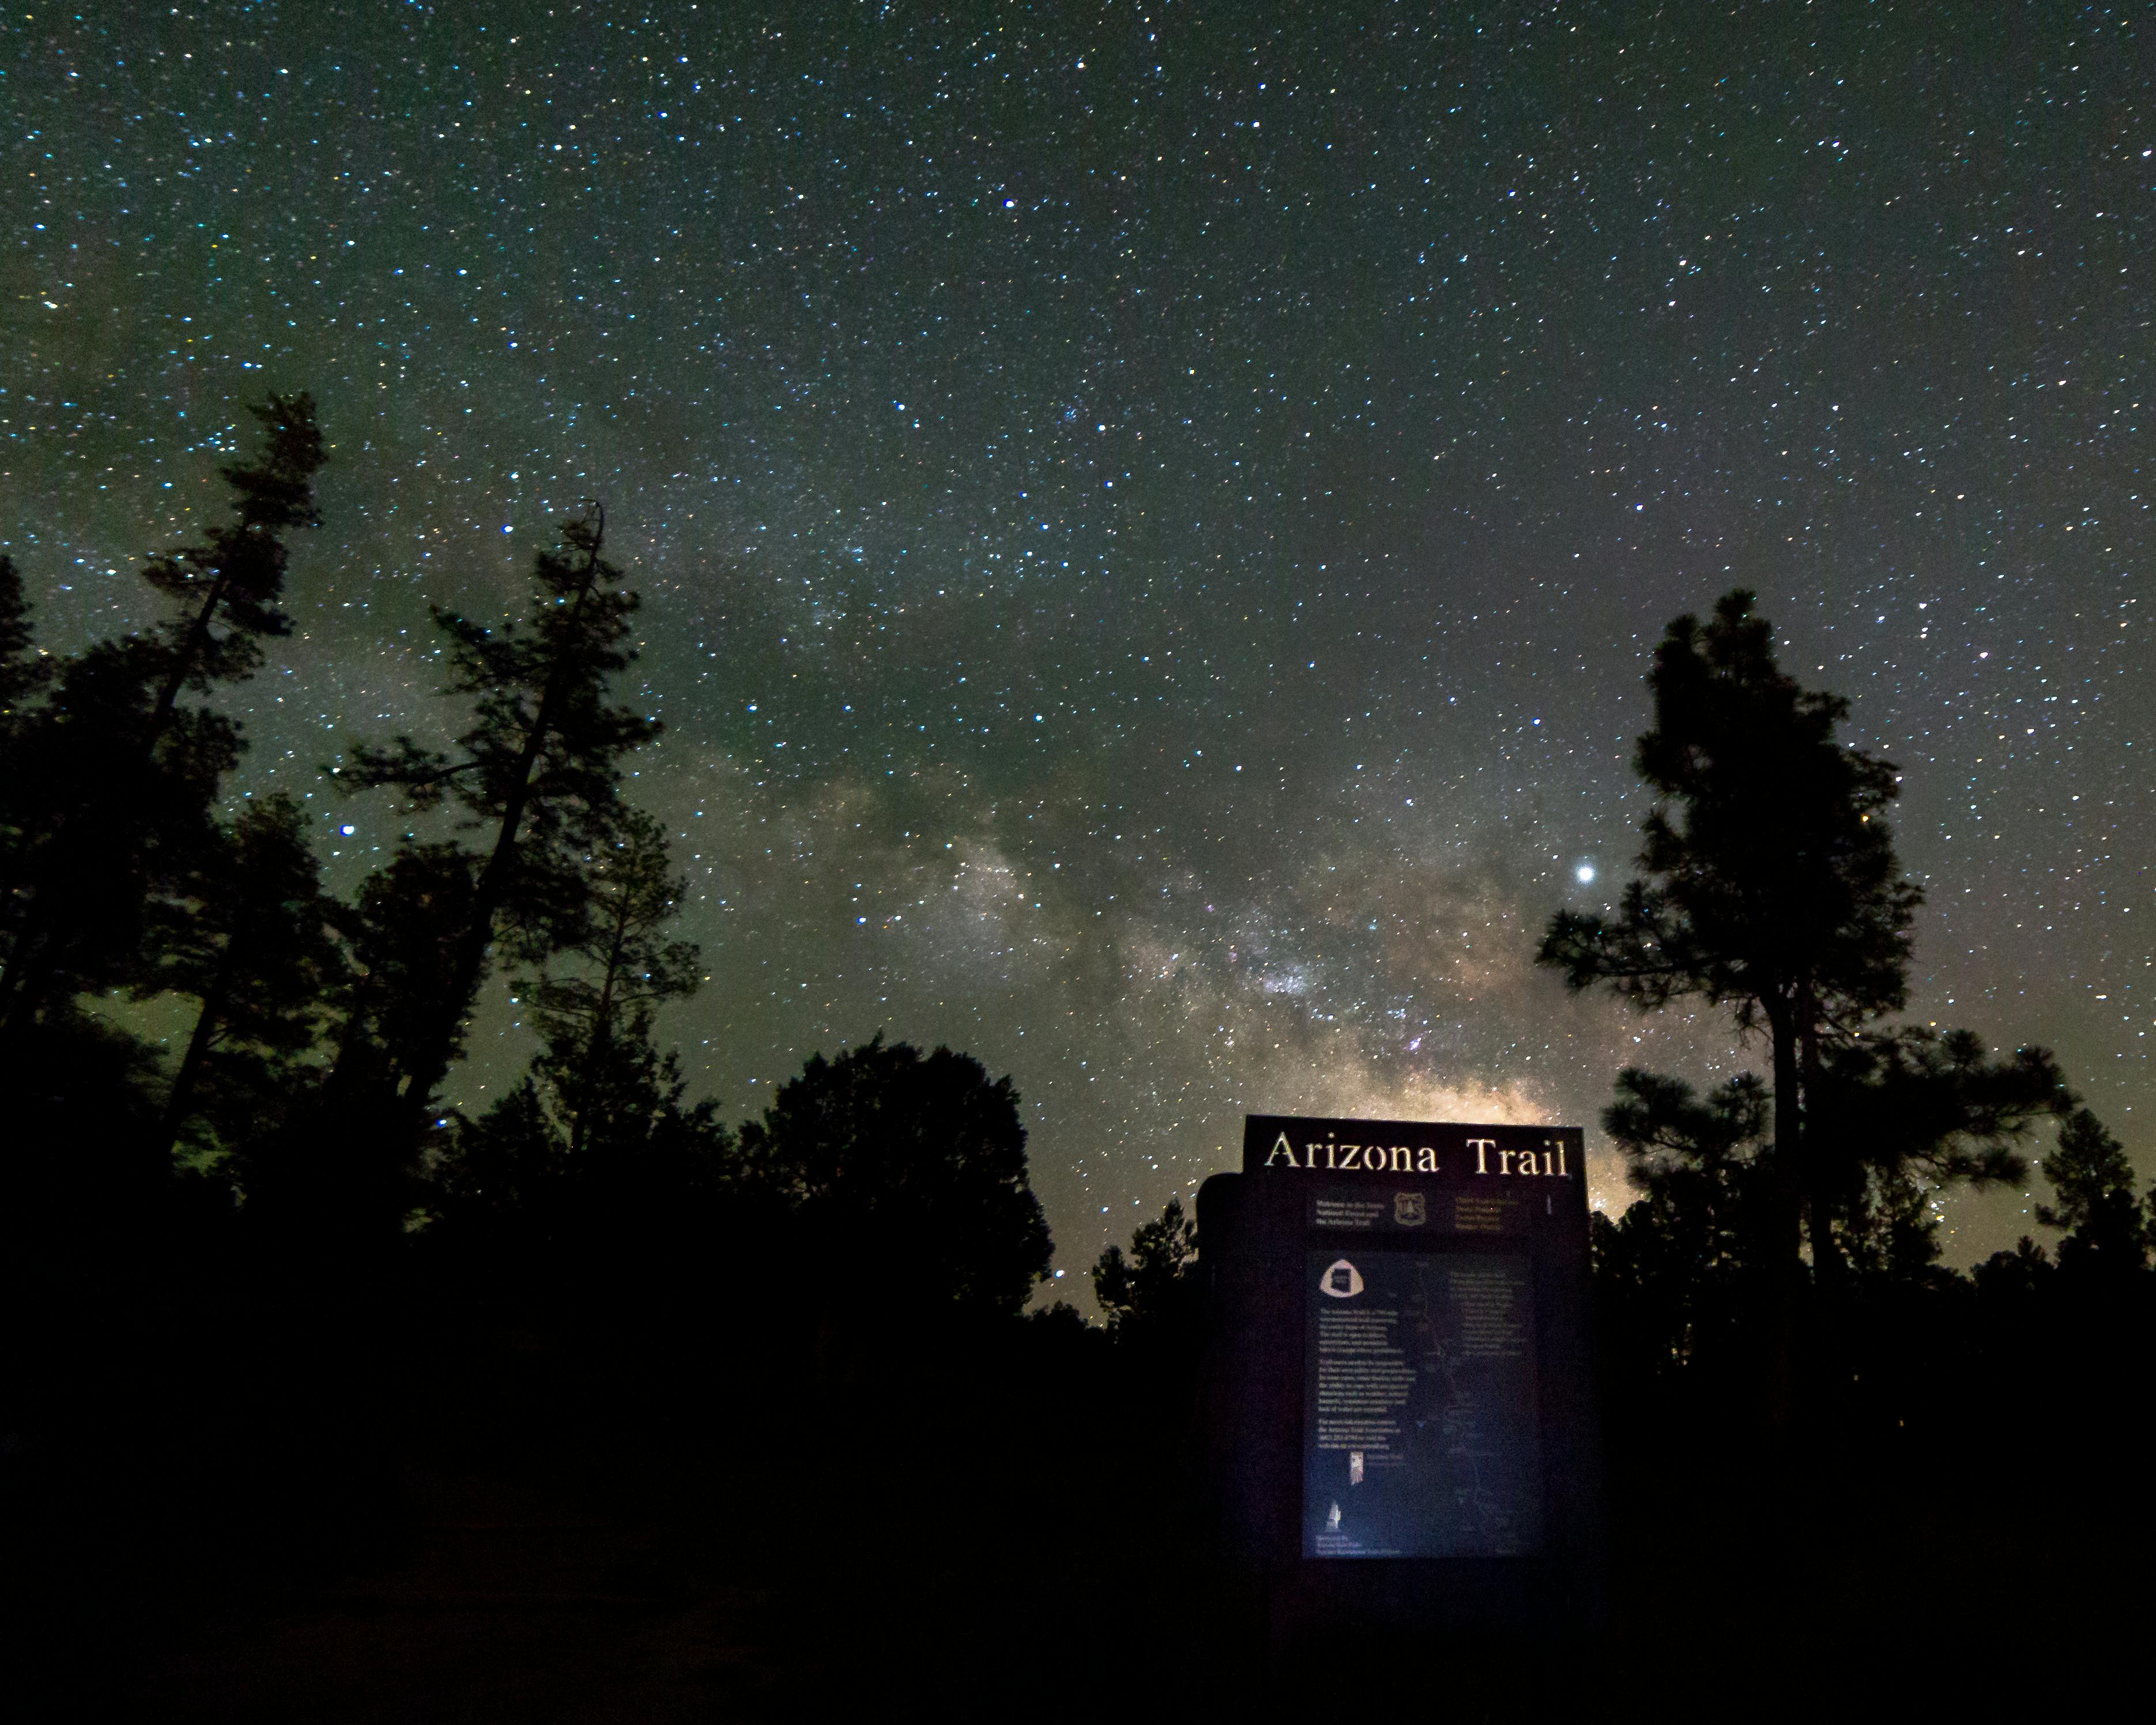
column 305, row 1099
column 303, row 1103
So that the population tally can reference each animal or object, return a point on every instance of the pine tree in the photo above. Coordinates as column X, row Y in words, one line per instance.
column 537, row 772
column 112, row 780
column 1767, row 884
column 226, row 593
column 254, row 945
column 2095, row 1207
column 620, row 969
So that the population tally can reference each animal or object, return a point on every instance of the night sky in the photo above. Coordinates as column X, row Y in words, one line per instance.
column 1152, row 519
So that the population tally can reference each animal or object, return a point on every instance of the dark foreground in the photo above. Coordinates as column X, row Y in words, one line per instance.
column 360, row 1519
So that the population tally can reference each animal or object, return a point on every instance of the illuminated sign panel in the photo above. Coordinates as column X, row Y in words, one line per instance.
column 1400, row 1367
column 1420, row 1435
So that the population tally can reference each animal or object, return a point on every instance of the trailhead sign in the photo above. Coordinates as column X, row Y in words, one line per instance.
column 1401, row 1422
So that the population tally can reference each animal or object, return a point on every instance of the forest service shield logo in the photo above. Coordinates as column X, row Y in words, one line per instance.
column 1408, row 1209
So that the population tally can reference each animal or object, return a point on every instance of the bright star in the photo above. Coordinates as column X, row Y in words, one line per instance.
column 1584, row 873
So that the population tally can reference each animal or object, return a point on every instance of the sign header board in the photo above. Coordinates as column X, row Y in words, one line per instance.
column 1449, row 1154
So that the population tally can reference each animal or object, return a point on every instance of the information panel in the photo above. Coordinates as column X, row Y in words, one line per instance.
column 1420, row 1424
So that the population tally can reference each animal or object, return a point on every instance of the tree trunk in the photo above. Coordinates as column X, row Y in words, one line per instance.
column 599, row 1042
column 207, row 1022
column 1786, row 1243
column 1830, row 1270
column 176, row 679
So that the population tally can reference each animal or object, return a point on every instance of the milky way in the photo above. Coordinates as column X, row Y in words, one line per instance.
column 1152, row 520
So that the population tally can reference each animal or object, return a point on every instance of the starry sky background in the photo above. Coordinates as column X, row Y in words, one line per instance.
column 1153, row 518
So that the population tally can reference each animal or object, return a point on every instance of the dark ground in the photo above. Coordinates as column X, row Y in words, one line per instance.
column 476, row 1523
column 487, row 1601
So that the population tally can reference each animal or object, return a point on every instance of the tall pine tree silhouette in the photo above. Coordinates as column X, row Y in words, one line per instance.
column 112, row 778
column 537, row 773
column 1768, row 883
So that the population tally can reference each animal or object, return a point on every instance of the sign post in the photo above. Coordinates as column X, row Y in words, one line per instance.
column 1401, row 1419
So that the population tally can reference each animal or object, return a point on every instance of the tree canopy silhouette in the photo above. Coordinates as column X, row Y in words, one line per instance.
column 226, row 592
column 111, row 781
column 1767, row 880
column 253, row 944
column 537, row 772
column 907, row 1175
column 1151, row 1295
column 598, row 1137
column 1768, row 883
column 2094, row 1204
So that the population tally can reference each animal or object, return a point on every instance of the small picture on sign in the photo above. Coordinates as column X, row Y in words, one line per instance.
column 1408, row 1209
column 1332, row 1519
column 1354, row 1467
column 1340, row 1280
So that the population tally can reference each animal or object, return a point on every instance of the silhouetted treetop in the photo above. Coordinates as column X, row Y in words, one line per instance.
column 1153, row 1292
column 542, row 754
column 228, row 590
column 1768, row 883
column 1769, row 874
column 2094, row 1205
column 109, row 783
column 538, row 768
column 911, row 1169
